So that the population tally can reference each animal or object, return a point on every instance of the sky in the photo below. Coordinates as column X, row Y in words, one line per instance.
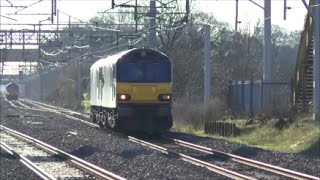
column 224, row 10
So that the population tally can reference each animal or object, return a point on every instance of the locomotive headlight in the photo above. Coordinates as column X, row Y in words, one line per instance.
column 123, row 97
column 165, row 97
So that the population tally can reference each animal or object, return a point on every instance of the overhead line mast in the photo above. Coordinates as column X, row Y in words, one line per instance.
column 152, row 14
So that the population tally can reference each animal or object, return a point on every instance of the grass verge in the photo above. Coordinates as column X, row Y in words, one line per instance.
column 85, row 104
column 302, row 135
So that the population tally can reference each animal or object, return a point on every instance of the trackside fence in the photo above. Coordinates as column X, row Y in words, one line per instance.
column 247, row 97
column 220, row 128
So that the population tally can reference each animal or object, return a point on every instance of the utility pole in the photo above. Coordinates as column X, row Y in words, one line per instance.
column 284, row 9
column 152, row 25
column 79, row 85
column 136, row 15
column 207, row 68
column 267, row 42
column 40, row 71
column 316, row 61
column 79, row 74
column 237, row 8
column 57, row 35
column 267, row 55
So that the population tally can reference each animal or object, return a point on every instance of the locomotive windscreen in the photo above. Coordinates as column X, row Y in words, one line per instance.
column 144, row 72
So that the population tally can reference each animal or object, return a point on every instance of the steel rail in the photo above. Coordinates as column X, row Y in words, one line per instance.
column 250, row 162
column 4, row 97
column 64, row 114
column 211, row 167
column 56, row 108
column 12, row 104
column 23, row 105
column 36, row 169
column 73, row 159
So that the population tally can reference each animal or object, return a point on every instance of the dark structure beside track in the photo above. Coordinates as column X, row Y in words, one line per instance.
column 247, row 97
column 221, row 128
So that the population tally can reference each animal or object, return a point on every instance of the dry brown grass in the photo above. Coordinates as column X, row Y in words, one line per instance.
column 192, row 115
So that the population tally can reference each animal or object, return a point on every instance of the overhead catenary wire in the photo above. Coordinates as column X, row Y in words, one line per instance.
column 63, row 50
column 99, row 51
column 28, row 6
column 90, row 25
column 104, row 50
column 79, row 57
column 9, row 2
column 113, row 8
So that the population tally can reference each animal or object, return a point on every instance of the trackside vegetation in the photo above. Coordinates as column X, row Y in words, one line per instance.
column 301, row 135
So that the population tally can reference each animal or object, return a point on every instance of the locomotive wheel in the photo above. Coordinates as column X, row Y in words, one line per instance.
column 99, row 120
column 93, row 117
column 104, row 119
column 112, row 121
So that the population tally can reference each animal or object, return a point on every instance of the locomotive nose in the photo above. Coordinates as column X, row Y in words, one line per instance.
column 145, row 93
column 142, row 93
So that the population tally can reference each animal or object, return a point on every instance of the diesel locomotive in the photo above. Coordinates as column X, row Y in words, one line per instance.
column 131, row 91
column 12, row 91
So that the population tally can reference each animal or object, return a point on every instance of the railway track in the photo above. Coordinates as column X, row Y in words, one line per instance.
column 19, row 104
column 260, row 165
column 47, row 161
column 273, row 172
column 282, row 172
column 211, row 167
column 60, row 109
column 66, row 113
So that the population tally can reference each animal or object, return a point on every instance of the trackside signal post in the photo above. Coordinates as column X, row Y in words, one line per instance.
column 316, row 60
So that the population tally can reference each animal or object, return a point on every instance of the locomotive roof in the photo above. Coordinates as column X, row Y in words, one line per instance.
column 11, row 84
column 113, row 59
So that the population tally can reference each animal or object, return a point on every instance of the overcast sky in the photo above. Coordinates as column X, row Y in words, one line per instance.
column 224, row 10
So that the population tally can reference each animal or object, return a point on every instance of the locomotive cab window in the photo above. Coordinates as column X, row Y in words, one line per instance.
column 144, row 72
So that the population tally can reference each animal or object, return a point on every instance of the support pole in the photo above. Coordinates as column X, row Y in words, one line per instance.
column 207, row 69
column 267, row 42
column 79, row 90
column 2, row 62
column 57, row 35
column 40, row 71
column 307, row 7
column 41, row 79
column 284, row 9
column 52, row 7
column 136, row 15
column 152, row 25
column 79, row 75
column 267, row 62
column 316, row 61
column 237, row 8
